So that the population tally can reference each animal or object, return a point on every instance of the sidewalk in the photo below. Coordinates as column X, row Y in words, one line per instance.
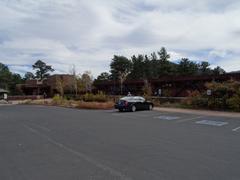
column 200, row 112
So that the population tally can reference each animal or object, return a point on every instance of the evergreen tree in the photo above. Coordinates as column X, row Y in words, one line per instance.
column 120, row 68
column 5, row 76
column 42, row 69
column 187, row 67
column 28, row 76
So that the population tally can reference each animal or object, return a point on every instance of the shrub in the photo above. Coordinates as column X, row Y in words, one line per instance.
column 27, row 101
column 69, row 96
column 224, row 96
column 167, row 92
column 217, row 103
column 99, row 97
column 57, row 100
column 88, row 97
column 191, row 96
column 199, row 102
column 234, row 102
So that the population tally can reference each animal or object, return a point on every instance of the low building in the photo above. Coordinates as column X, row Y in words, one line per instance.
column 3, row 94
column 49, row 86
column 174, row 86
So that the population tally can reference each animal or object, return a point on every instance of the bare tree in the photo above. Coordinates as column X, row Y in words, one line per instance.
column 120, row 68
column 147, row 89
column 87, row 80
column 122, row 77
column 60, row 84
column 75, row 79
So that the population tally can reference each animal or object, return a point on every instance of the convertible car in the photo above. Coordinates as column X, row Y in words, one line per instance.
column 133, row 103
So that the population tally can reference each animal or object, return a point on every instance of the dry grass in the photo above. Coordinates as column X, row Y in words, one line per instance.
column 95, row 105
column 70, row 104
column 35, row 102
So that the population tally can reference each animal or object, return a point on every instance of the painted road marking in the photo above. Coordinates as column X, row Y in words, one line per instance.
column 145, row 114
column 236, row 129
column 168, row 118
column 190, row 119
column 41, row 127
column 117, row 174
column 136, row 114
column 212, row 123
column 114, row 114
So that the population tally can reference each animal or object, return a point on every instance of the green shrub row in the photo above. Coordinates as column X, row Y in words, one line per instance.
column 225, row 96
column 99, row 97
column 88, row 97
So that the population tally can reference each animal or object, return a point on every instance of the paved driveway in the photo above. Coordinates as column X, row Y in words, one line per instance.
column 51, row 143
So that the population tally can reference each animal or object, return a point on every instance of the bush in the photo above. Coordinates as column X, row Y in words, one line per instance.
column 69, row 96
column 191, row 96
column 88, row 97
column 225, row 96
column 99, row 97
column 234, row 102
column 27, row 101
column 217, row 103
column 57, row 100
column 199, row 102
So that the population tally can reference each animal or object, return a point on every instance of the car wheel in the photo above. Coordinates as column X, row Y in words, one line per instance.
column 133, row 108
column 150, row 107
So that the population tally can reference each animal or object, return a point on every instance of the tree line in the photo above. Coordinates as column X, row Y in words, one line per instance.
column 8, row 80
column 138, row 67
column 154, row 66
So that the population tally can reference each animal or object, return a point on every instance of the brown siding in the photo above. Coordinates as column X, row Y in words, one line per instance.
column 49, row 85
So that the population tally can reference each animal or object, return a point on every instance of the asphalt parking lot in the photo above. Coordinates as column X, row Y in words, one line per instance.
column 52, row 143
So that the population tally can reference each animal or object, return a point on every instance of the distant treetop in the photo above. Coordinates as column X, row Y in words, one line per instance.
column 42, row 69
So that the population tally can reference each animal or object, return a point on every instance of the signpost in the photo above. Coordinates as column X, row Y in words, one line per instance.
column 5, row 96
column 159, row 92
column 209, row 92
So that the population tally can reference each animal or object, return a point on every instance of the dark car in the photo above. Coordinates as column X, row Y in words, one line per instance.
column 133, row 103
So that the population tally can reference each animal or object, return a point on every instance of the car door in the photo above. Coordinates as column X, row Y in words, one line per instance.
column 144, row 104
column 136, row 103
column 141, row 103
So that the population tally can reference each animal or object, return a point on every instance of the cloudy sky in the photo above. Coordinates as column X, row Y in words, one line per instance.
column 88, row 33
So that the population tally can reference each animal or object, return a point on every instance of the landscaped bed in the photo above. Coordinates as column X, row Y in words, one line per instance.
column 68, row 103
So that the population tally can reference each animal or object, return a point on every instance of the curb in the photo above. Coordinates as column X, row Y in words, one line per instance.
column 200, row 112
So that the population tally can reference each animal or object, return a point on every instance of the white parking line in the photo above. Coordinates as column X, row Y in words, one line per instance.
column 211, row 122
column 190, row 119
column 236, row 129
column 168, row 118
column 117, row 174
column 41, row 127
column 114, row 114
column 137, row 114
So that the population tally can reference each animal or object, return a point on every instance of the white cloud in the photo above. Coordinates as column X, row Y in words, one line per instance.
column 230, row 64
column 89, row 33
